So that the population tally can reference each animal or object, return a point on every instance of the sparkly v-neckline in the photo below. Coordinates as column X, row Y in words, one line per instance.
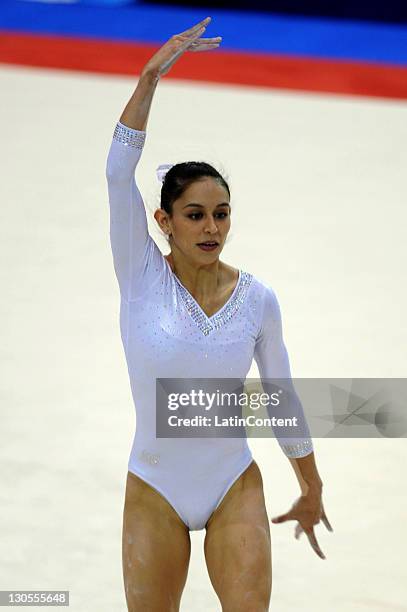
column 208, row 323
column 189, row 294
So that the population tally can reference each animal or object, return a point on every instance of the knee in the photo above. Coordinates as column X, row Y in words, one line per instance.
column 138, row 601
column 251, row 603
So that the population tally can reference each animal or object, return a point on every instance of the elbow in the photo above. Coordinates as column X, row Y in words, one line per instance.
column 115, row 176
column 112, row 172
column 111, row 177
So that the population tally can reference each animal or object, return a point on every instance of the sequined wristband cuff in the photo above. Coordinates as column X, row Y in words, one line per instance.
column 128, row 136
column 298, row 450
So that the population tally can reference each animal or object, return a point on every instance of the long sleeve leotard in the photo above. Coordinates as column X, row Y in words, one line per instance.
column 166, row 334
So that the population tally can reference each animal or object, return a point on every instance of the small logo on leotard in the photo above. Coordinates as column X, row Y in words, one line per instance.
column 149, row 457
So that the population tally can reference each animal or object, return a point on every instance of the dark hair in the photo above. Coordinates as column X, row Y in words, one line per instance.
column 181, row 176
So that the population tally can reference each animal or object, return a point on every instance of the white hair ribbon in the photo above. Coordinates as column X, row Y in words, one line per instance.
column 162, row 171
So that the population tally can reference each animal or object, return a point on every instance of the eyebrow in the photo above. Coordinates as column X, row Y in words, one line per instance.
column 201, row 206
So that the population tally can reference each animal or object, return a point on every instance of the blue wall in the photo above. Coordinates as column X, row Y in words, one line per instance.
column 372, row 10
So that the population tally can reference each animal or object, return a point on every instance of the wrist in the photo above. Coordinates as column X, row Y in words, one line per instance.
column 149, row 75
column 314, row 487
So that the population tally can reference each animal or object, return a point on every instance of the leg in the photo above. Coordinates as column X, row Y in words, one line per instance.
column 238, row 546
column 156, row 549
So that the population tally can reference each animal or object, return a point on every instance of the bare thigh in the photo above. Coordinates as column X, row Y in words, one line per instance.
column 156, row 548
column 238, row 546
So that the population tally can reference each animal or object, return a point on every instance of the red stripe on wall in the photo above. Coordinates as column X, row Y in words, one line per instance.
column 256, row 69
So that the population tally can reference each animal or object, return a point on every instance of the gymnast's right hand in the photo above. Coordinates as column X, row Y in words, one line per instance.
column 189, row 40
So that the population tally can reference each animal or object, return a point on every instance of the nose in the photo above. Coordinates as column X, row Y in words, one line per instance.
column 211, row 226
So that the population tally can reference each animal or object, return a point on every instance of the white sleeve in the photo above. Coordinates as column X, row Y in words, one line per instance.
column 272, row 360
column 134, row 251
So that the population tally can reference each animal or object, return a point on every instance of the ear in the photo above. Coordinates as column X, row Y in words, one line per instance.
column 163, row 221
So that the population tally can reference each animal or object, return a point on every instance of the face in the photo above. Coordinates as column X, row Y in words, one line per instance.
column 200, row 215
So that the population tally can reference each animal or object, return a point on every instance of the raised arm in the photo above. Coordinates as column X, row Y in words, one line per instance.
column 134, row 251
column 130, row 241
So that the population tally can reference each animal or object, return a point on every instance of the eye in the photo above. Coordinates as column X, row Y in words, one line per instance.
column 198, row 215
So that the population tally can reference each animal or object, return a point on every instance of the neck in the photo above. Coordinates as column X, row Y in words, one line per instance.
column 201, row 280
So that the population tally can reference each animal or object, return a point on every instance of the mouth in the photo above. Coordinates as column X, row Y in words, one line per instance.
column 208, row 246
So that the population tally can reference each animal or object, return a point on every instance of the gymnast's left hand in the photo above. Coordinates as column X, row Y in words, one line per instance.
column 308, row 510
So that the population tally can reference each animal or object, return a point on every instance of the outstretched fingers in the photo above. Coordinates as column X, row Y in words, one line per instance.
column 203, row 47
column 193, row 40
column 313, row 541
column 288, row 516
column 324, row 518
column 216, row 39
column 179, row 50
column 327, row 524
column 196, row 27
column 204, row 44
column 189, row 40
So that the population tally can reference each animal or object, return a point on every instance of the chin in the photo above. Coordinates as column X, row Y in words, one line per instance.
column 210, row 256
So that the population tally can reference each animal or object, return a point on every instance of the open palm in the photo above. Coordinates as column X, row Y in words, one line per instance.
column 189, row 40
column 308, row 512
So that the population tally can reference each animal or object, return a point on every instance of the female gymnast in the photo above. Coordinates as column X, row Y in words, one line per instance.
column 190, row 315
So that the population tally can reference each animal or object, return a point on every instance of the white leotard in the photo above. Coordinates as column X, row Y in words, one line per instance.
column 166, row 334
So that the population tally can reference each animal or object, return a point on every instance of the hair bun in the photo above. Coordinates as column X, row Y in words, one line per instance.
column 162, row 171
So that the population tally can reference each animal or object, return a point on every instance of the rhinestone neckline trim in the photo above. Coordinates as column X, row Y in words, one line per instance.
column 229, row 309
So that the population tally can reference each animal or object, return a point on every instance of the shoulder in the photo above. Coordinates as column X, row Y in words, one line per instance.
column 265, row 295
column 263, row 290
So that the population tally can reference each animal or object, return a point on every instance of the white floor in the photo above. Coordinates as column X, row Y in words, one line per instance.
column 319, row 197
